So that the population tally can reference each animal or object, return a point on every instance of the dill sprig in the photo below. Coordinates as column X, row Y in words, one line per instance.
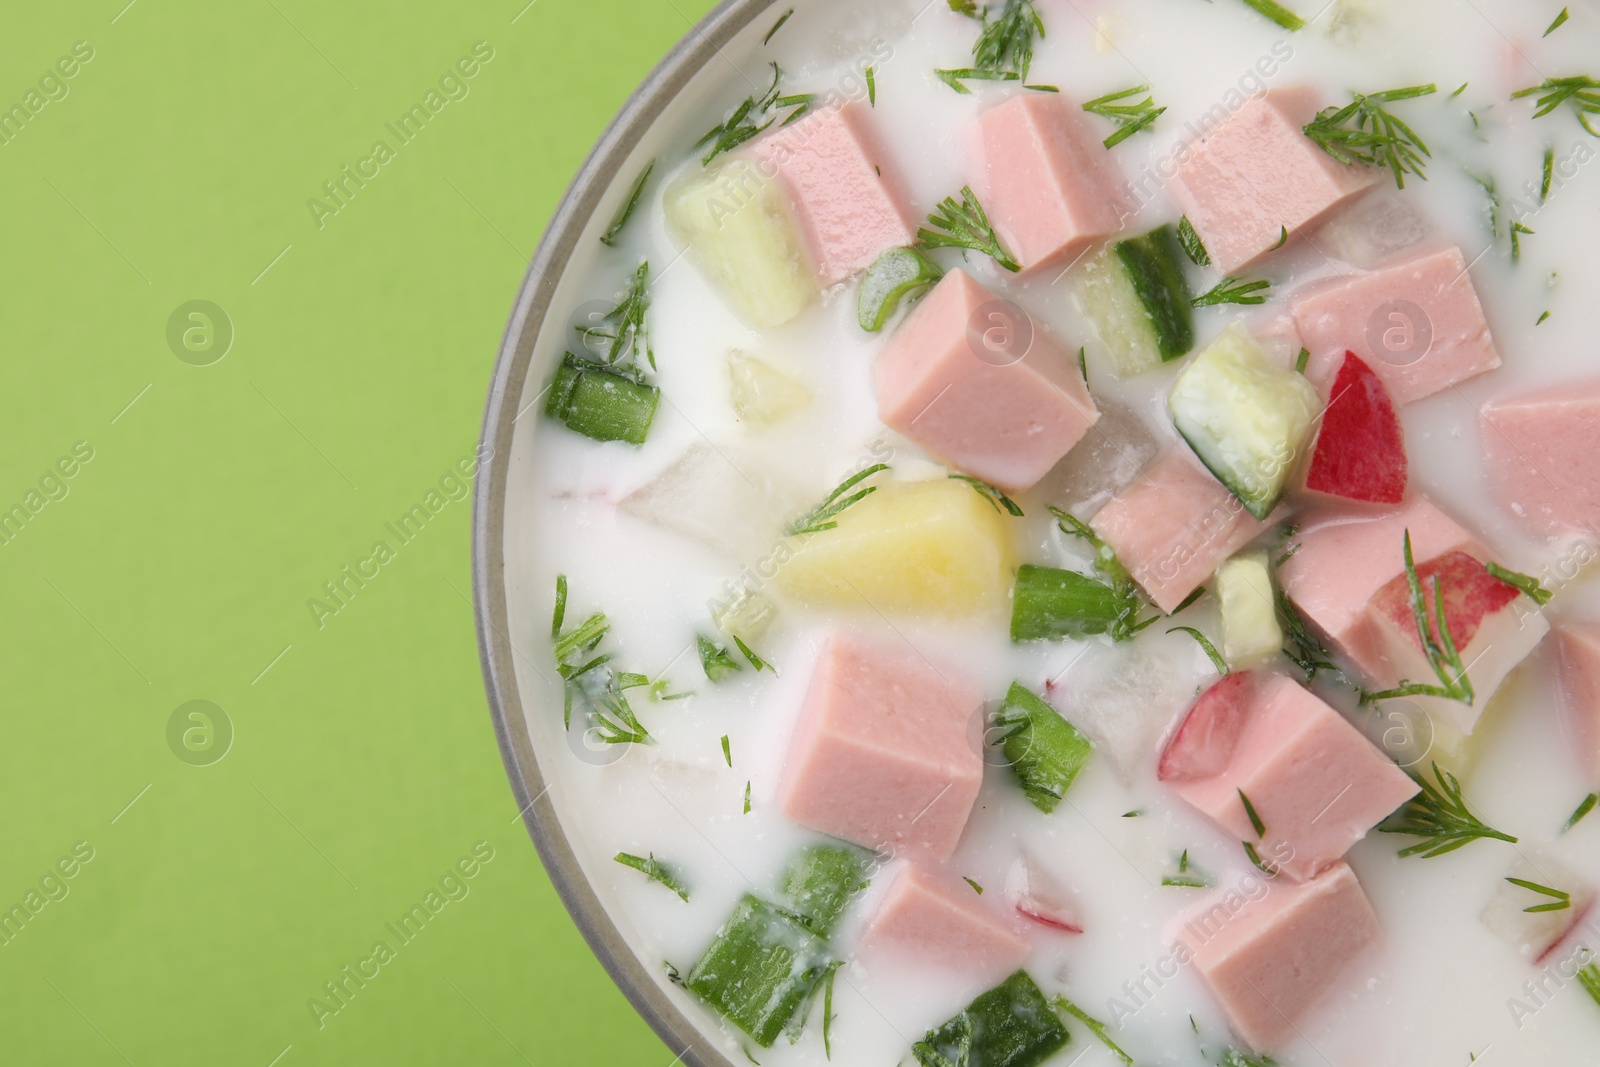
column 1130, row 117
column 1095, row 1026
column 1234, row 291
column 753, row 116
column 1590, row 977
column 656, row 871
column 727, row 750
column 609, row 238
column 1525, row 582
column 1375, row 136
column 824, row 516
column 1548, row 174
column 998, row 500
column 1582, row 810
column 1187, row 877
column 1278, row 14
column 1192, row 246
column 1303, row 649
column 590, row 677
column 1205, row 644
column 1518, row 230
column 776, row 26
column 965, row 225
column 755, row 661
column 1440, row 817
column 976, row 888
column 1560, row 899
column 623, row 327
column 1255, row 820
column 1007, row 42
column 1582, row 92
column 1442, row 654
column 1004, row 48
column 1255, row 857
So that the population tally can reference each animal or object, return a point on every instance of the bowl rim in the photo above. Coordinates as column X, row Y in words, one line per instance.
column 583, row 196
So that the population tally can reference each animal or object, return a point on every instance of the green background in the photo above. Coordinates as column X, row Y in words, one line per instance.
column 221, row 896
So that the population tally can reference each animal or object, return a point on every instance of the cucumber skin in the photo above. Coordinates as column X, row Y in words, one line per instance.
column 1051, row 603
column 1235, row 364
column 600, row 403
column 1046, row 752
column 895, row 275
column 1154, row 268
column 1012, row 1025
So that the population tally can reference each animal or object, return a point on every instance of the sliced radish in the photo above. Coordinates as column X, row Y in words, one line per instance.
column 1471, row 594
column 1203, row 744
column 1040, row 898
column 1360, row 452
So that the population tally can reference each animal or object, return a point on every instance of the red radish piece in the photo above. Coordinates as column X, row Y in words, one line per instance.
column 1203, row 744
column 1360, row 452
column 1471, row 594
column 1038, row 898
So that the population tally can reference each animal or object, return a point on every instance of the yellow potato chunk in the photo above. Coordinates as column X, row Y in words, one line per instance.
column 739, row 235
column 932, row 547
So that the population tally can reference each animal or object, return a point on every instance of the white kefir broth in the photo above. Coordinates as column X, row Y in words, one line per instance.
column 1440, row 986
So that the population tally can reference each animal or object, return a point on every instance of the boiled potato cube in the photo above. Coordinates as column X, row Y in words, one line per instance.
column 935, row 547
column 740, row 235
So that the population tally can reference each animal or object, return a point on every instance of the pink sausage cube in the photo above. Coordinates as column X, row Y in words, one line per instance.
column 1269, row 957
column 1417, row 323
column 1243, row 182
column 1539, row 451
column 831, row 167
column 1348, row 579
column 1578, row 652
column 943, row 922
column 972, row 379
column 1047, row 183
column 1345, row 557
column 1173, row 526
column 1314, row 781
column 887, row 750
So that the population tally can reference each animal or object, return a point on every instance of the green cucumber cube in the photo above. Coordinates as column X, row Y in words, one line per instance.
column 1045, row 751
column 819, row 883
column 1012, row 1025
column 1138, row 298
column 1051, row 603
column 759, row 969
column 602, row 403
column 1247, row 418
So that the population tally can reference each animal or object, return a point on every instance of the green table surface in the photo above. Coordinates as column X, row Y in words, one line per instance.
column 178, row 481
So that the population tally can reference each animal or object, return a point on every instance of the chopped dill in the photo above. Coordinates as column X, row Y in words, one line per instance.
column 1440, row 817
column 965, row 225
column 1375, row 136
column 656, row 871
column 825, row 515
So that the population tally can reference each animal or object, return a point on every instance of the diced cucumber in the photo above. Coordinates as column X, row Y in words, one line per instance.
column 759, row 969
column 1250, row 631
column 1045, row 751
column 896, row 274
column 820, row 882
column 1012, row 1025
column 1245, row 417
column 739, row 233
column 1048, row 602
column 598, row 402
column 1138, row 298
